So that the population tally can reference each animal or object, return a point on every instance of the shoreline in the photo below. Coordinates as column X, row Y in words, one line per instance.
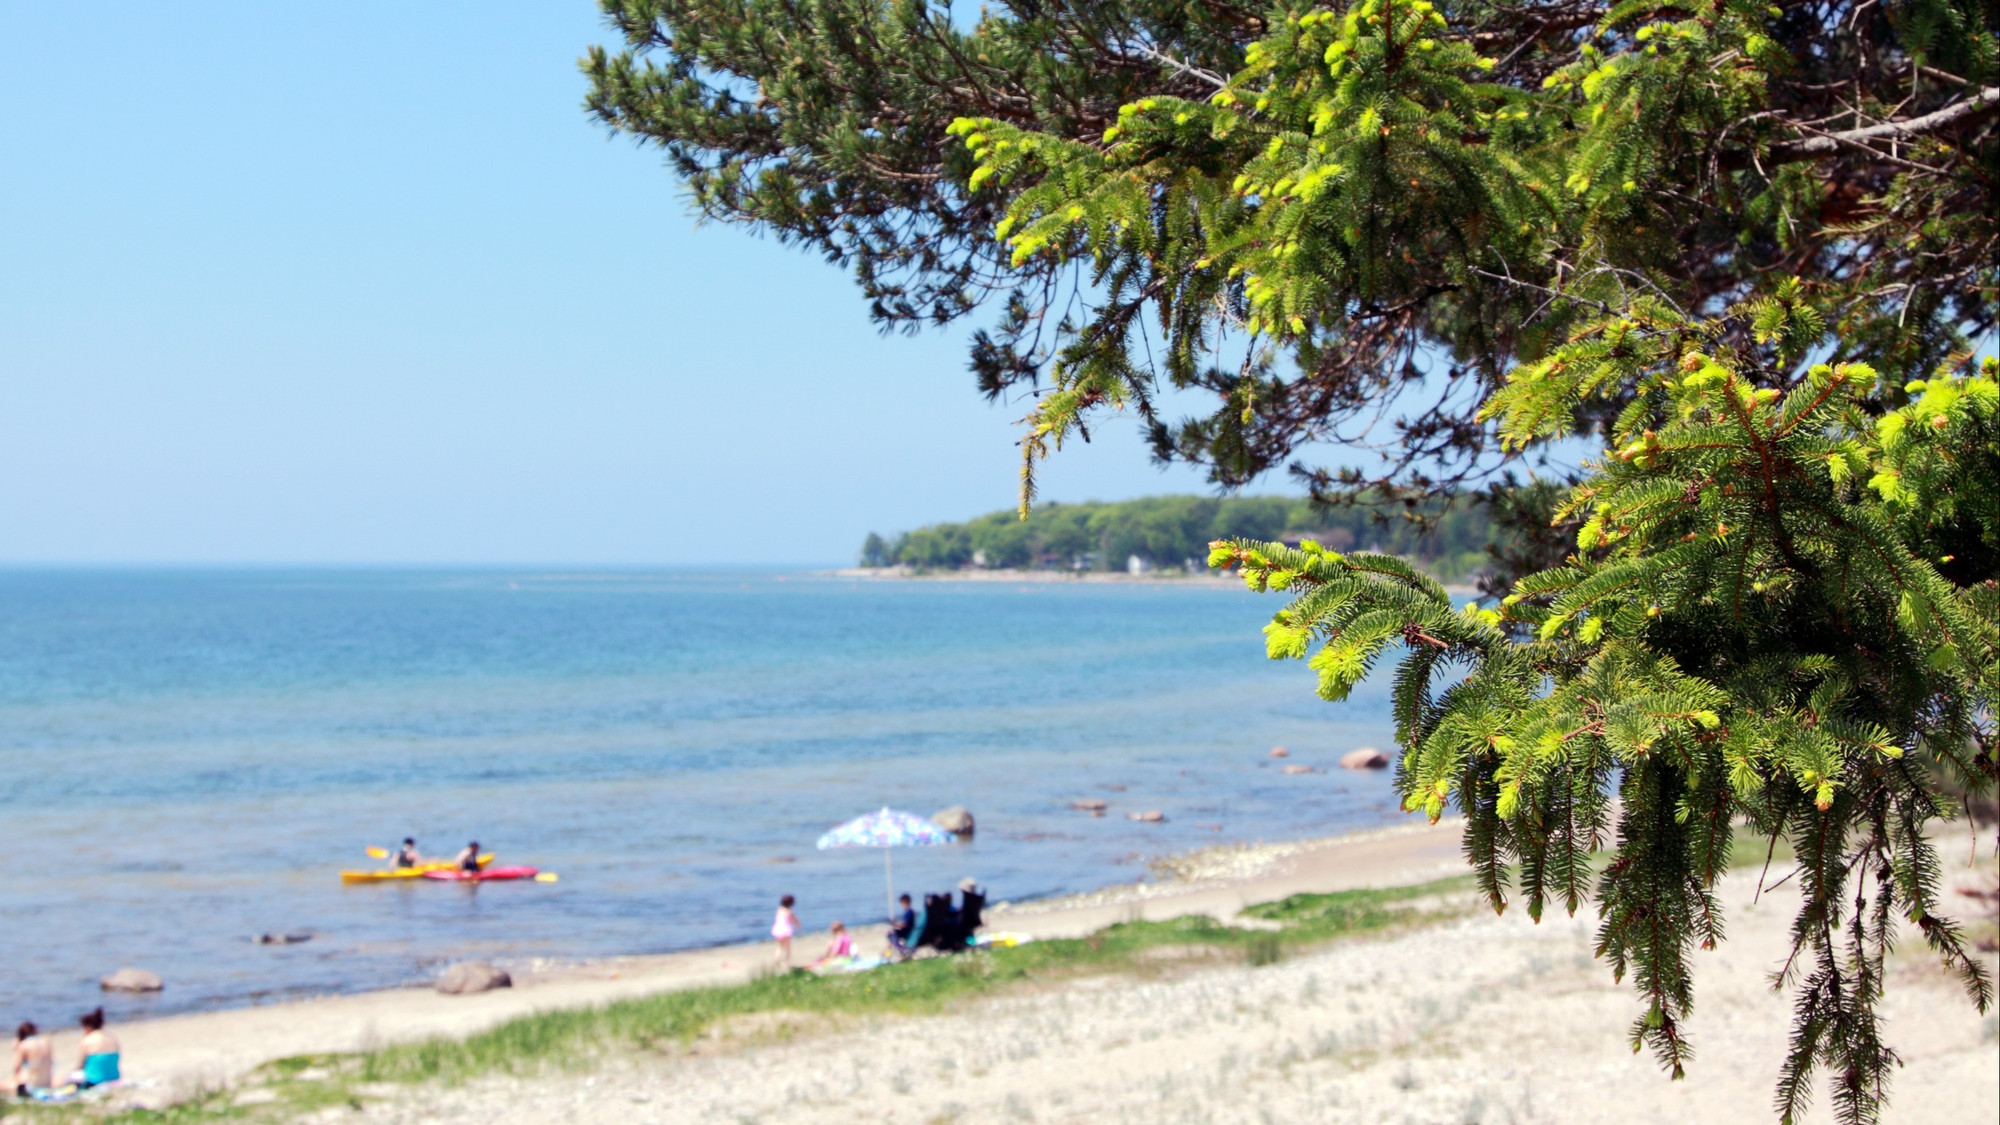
column 998, row 576
column 1039, row 577
column 172, row 1058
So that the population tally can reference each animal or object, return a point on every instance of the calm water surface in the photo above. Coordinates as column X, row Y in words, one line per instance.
column 192, row 755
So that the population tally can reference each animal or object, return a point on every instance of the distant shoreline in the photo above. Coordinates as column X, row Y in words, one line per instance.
column 1007, row 574
column 1057, row 577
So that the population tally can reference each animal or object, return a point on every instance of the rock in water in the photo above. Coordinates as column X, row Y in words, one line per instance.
column 131, row 980
column 468, row 977
column 1366, row 758
column 1300, row 769
column 1150, row 816
column 955, row 820
column 1280, row 752
column 1095, row 806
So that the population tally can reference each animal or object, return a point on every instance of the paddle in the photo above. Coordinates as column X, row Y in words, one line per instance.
column 546, row 877
column 378, row 853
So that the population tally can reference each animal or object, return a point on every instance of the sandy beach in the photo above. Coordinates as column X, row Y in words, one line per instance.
column 1469, row 1018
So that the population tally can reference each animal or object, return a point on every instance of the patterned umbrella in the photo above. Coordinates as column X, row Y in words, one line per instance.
column 886, row 829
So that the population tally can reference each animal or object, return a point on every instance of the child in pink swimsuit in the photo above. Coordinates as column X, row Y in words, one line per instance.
column 783, row 928
column 839, row 949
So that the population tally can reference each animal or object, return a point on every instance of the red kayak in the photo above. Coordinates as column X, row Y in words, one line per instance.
column 487, row 876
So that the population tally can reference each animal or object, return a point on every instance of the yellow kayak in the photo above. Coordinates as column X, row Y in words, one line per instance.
column 391, row 874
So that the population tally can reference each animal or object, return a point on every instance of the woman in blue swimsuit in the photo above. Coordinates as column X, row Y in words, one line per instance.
column 97, row 1055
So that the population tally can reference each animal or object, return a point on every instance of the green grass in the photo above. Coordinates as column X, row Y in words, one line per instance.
column 671, row 1020
column 917, row 987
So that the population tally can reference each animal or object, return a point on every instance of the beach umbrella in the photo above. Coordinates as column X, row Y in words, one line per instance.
column 886, row 829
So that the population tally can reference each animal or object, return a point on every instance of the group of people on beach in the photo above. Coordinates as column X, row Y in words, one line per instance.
column 35, row 1060
column 840, row 944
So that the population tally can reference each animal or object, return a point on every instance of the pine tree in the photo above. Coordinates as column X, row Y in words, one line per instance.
column 1418, row 183
column 1782, row 618
column 1747, row 248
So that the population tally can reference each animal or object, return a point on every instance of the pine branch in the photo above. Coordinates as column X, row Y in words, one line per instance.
column 1983, row 101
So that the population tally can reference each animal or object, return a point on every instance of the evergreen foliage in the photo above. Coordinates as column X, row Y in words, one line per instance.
column 1745, row 248
column 1782, row 615
column 1341, row 221
column 1172, row 531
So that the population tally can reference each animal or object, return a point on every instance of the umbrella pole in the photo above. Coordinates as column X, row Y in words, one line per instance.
column 889, row 879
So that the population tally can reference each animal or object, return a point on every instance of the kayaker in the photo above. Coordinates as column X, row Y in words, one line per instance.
column 97, row 1054
column 406, row 856
column 468, row 860
column 34, row 1060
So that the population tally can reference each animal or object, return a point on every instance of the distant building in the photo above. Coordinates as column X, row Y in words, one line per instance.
column 1136, row 565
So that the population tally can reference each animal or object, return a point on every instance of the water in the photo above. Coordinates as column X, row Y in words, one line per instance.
column 191, row 755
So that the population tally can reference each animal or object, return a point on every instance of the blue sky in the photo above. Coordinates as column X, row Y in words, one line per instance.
column 361, row 283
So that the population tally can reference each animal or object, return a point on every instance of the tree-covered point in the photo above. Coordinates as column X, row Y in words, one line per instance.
column 1166, row 532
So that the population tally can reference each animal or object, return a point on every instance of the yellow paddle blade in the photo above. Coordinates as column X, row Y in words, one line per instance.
column 546, row 877
column 378, row 853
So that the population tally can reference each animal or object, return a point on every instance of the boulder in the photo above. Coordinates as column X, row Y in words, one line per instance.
column 1095, row 806
column 1280, row 752
column 1150, row 816
column 1300, row 769
column 468, row 977
column 1366, row 758
column 955, row 820
column 131, row 980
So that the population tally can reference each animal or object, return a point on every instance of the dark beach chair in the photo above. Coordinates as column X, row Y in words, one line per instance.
column 938, row 926
column 971, row 906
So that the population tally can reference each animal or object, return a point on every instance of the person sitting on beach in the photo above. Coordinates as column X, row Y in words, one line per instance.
column 839, row 948
column 902, row 928
column 783, row 928
column 468, row 860
column 34, row 1060
column 97, row 1054
column 406, row 856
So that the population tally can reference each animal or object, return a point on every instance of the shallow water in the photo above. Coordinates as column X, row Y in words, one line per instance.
column 191, row 756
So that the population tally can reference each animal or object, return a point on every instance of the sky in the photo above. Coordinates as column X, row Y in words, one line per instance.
column 360, row 283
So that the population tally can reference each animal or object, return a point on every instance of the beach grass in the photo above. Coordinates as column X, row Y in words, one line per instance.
column 917, row 987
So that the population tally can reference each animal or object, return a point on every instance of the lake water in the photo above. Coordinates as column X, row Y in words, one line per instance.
column 192, row 755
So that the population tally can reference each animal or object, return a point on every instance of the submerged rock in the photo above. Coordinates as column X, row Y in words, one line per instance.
column 1301, row 769
column 1095, row 806
column 131, row 980
column 468, row 977
column 1150, row 816
column 1280, row 752
column 955, row 820
column 1366, row 758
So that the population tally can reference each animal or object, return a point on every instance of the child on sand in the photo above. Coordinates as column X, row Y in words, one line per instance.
column 841, row 948
column 34, row 1060
column 784, row 927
